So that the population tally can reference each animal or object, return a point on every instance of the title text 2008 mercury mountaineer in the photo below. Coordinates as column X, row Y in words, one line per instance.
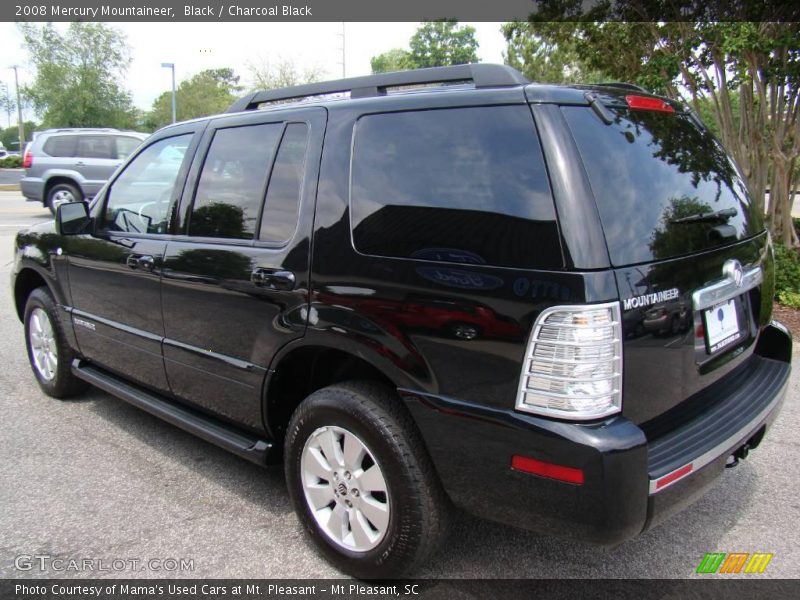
column 549, row 305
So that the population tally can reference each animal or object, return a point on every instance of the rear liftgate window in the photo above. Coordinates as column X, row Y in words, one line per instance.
column 657, row 178
column 457, row 185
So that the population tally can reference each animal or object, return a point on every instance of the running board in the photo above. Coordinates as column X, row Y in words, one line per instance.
column 225, row 436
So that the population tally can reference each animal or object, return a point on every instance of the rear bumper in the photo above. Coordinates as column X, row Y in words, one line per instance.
column 472, row 446
column 32, row 188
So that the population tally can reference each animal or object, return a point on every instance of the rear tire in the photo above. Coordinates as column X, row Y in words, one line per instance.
column 61, row 193
column 48, row 352
column 375, row 508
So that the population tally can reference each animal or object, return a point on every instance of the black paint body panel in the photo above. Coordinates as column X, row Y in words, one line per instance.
column 197, row 331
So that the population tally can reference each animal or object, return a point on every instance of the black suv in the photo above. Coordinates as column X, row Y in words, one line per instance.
column 548, row 305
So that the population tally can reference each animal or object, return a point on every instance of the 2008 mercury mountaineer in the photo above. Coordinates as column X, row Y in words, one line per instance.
column 548, row 305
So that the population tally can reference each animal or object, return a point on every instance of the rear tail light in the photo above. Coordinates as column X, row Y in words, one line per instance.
column 27, row 160
column 648, row 103
column 573, row 363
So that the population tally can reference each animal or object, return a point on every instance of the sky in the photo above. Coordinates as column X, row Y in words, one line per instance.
column 194, row 47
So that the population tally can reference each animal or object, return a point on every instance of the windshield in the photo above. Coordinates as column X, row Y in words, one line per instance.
column 664, row 187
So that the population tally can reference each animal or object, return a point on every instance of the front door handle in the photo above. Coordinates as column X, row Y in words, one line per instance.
column 274, row 279
column 145, row 262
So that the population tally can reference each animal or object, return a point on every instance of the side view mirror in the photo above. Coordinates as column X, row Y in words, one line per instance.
column 72, row 218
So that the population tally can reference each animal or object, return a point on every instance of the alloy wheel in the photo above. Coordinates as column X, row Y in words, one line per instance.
column 345, row 489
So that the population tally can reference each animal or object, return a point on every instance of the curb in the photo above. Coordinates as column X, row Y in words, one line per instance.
column 9, row 187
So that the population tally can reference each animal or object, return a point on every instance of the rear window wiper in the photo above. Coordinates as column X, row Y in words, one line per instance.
column 720, row 215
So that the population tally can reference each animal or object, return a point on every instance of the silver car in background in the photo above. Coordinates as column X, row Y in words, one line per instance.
column 67, row 165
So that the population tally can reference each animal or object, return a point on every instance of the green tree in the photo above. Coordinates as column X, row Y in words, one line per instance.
column 746, row 73
column 10, row 135
column 395, row 59
column 269, row 75
column 78, row 74
column 546, row 58
column 207, row 93
column 442, row 43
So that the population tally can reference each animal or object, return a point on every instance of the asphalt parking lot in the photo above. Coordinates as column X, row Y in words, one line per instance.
column 96, row 478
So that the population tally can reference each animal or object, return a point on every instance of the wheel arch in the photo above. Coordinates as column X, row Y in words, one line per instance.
column 303, row 368
column 56, row 179
column 27, row 280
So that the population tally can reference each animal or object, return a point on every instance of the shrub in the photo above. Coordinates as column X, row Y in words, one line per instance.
column 787, row 272
column 12, row 161
column 790, row 299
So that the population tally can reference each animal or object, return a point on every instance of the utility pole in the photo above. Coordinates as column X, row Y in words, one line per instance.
column 19, row 113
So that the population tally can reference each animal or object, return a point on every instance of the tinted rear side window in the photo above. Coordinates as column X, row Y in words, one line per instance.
column 233, row 181
column 649, row 170
column 457, row 185
column 283, row 196
column 61, row 146
column 126, row 145
column 95, row 146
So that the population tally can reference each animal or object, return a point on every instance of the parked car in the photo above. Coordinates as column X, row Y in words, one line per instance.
column 671, row 318
column 286, row 280
column 69, row 165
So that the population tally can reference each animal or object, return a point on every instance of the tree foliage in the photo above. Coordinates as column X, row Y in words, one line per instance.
column 395, row 59
column 207, row 93
column 546, row 58
column 9, row 136
column 434, row 44
column 443, row 43
column 269, row 75
column 78, row 74
column 744, row 74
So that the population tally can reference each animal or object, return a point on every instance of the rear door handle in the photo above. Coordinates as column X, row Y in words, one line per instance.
column 274, row 279
column 145, row 262
column 80, row 164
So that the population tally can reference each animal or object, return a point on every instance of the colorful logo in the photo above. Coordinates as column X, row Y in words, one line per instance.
column 734, row 562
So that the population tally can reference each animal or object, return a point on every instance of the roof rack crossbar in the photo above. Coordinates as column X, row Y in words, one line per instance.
column 482, row 75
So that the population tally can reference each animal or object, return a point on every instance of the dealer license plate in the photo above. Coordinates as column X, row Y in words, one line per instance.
column 722, row 325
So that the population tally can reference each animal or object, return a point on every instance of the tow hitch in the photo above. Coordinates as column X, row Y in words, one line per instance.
column 740, row 454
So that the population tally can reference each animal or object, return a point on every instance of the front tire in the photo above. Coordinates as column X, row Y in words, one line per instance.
column 362, row 482
column 48, row 352
column 62, row 193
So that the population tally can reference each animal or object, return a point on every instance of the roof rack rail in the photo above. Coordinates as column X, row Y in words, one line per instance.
column 624, row 85
column 482, row 75
column 72, row 129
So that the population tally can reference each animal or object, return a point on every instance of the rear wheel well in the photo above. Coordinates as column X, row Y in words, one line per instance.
column 305, row 371
column 27, row 280
column 54, row 181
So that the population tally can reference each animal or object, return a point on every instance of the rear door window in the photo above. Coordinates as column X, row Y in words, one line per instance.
column 233, row 181
column 281, row 207
column 652, row 174
column 464, row 185
column 95, row 146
